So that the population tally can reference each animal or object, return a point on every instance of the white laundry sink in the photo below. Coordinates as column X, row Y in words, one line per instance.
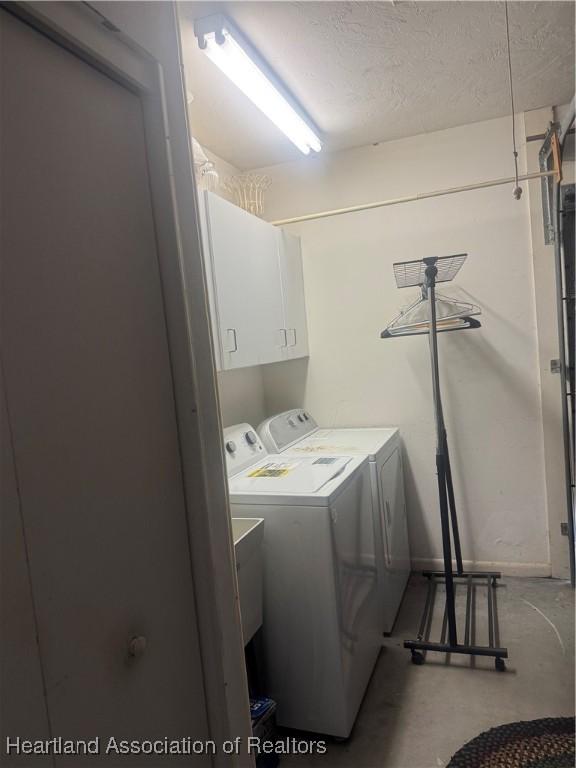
column 248, row 533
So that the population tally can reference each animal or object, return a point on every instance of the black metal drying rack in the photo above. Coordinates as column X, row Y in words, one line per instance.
column 426, row 273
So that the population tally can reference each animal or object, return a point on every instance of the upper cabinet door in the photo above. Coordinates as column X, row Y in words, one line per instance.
column 233, row 294
column 266, row 309
column 290, row 257
column 244, row 284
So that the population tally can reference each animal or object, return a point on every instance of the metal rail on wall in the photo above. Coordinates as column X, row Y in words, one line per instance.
column 415, row 198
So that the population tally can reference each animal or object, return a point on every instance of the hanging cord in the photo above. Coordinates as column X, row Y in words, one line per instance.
column 517, row 188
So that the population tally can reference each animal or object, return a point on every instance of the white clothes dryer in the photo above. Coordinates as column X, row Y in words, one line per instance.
column 297, row 433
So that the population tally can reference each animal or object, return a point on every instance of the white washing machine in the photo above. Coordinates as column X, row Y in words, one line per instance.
column 321, row 627
column 297, row 433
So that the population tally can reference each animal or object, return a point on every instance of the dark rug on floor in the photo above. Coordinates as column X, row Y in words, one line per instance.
column 547, row 743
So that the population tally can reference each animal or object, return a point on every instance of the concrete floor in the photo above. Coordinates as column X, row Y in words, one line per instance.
column 418, row 716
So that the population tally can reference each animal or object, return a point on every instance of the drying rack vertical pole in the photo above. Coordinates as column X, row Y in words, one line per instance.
column 450, row 489
column 452, row 504
column 441, row 442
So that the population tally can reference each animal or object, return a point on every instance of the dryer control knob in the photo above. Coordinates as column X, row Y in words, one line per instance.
column 251, row 438
column 306, row 417
column 291, row 422
column 300, row 417
column 230, row 446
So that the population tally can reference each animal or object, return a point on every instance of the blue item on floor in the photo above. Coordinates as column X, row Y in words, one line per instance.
column 262, row 713
column 259, row 707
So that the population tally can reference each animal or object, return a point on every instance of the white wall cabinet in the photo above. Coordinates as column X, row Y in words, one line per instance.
column 255, row 286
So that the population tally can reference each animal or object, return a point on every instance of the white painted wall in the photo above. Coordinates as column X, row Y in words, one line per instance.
column 242, row 396
column 489, row 377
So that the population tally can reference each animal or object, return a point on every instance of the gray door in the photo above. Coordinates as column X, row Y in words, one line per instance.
column 89, row 396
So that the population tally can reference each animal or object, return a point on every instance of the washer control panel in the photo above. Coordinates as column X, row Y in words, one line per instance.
column 242, row 447
column 280, row 431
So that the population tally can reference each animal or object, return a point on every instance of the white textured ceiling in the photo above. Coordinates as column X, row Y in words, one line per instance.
column 374, row 71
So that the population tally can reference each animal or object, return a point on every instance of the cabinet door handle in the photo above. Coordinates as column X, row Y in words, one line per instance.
column 285, row 335
column 293, row 330
column 233, row 332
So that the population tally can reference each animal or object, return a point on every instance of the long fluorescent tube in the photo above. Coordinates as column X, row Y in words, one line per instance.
column 227, row 53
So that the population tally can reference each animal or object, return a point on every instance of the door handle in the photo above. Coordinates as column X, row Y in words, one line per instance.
column 137, row 646
column 233, row 332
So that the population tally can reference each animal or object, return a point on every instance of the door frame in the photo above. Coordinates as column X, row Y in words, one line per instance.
column 87, row 33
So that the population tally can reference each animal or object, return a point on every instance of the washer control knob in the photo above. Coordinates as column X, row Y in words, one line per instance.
column 291, row 422
column 251, row 438
column 230, row 446
column 300, row 417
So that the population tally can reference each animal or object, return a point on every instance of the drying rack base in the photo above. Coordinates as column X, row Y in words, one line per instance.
column 422, row 644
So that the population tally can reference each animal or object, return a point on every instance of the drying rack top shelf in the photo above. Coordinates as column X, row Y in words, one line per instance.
column 410, row 273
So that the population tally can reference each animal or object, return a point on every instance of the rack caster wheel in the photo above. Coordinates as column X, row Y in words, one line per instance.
column 417, row 658
column 500, row 664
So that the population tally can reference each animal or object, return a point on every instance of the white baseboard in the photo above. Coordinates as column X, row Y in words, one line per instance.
column 506, row 569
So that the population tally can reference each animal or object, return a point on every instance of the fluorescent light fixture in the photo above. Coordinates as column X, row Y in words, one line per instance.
column 225, row 46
